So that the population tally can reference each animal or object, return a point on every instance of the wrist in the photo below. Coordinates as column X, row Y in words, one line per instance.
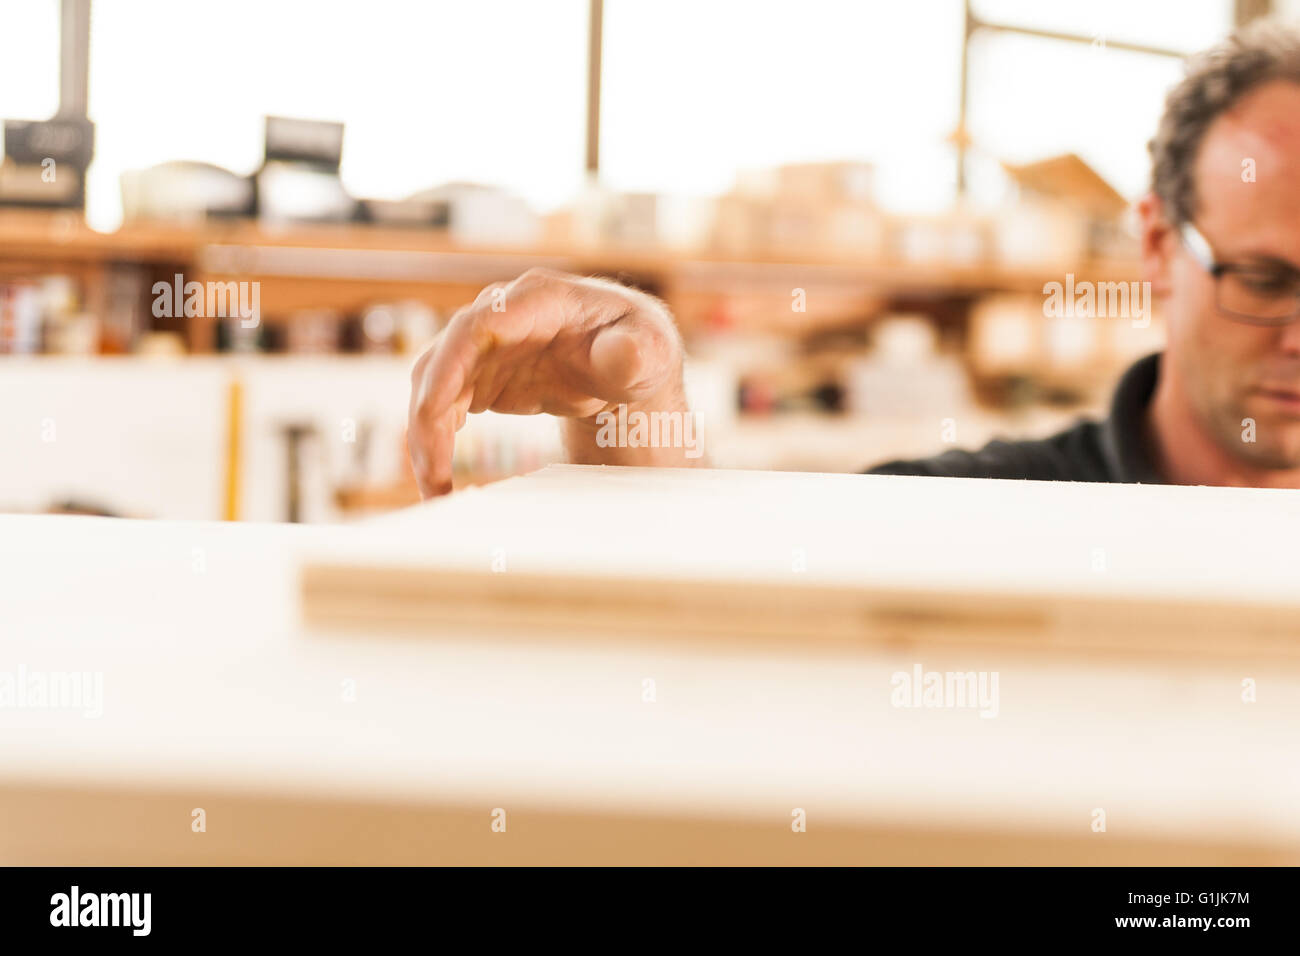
column 659, row 430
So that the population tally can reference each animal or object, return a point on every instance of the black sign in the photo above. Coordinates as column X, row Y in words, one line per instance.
column 308, row 141
column 31, row 142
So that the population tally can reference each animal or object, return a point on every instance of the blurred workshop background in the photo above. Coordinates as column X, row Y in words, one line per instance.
column 852, row 209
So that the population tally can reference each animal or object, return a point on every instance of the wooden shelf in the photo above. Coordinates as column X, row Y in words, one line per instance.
column 348, row 266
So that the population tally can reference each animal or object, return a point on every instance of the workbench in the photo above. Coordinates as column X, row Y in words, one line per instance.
column 306, row 740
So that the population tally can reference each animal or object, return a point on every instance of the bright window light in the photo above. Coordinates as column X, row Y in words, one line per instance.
column 492, row 91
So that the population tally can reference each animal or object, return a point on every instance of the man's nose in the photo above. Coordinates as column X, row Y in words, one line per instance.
column 1289, row 338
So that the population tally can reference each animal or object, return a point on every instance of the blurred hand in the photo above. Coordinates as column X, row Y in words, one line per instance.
column 553, row 343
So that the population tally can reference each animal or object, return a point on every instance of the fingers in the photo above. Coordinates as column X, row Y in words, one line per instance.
column 453, row 360
column 442, row 388
column 431, row 445
column 430, row 436
column 417, row 441
column 544, row 342
column 481, row 328
column 440, row 444
column 632, row 357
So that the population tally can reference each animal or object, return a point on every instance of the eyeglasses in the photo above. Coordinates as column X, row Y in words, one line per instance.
column 1256, row 295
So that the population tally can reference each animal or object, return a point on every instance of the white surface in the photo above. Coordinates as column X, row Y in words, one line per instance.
column 209, row 680
column 1005, row 536
column 334, row 395
column 147, row 438
column 139, row 437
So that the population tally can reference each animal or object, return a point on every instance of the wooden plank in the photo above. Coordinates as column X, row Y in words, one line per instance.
column 447, row 601
column 117, row 827
column 38, row 236
column 840, row 562
column 620, row 746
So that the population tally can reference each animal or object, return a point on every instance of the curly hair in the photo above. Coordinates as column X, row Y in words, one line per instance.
column 1215, row 80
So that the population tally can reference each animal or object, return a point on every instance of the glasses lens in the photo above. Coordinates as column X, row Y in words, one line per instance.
column 1259, row 296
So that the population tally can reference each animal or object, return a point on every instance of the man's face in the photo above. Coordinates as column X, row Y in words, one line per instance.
column 1237, row 374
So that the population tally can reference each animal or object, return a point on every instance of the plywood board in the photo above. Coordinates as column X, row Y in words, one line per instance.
column 845, row 562
column 216, row 696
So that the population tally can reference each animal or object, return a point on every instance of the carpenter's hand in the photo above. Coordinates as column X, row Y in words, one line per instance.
column 546, row 342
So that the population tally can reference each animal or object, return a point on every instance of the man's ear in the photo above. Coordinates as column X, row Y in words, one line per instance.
column 1159, row 243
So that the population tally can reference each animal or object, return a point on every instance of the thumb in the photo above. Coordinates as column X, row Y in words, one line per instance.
column 632, row 358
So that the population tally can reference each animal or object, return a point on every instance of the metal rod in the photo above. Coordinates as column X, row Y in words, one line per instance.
column 968, row 19
column 595, row 42
column 74, row 58
column 977, row 24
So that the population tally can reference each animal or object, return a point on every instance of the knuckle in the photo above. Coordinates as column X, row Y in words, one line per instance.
column 488, row 289
column 417, row 369
column 540, row 278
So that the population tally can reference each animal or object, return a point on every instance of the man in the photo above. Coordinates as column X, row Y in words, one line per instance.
column 1220, row 245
